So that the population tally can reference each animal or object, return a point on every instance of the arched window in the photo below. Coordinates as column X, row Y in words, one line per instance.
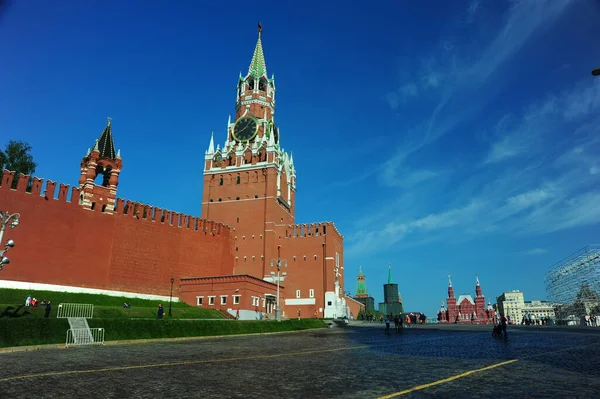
column 220, row 181
column 237, row 180
column 262, row 85
column 251, row 84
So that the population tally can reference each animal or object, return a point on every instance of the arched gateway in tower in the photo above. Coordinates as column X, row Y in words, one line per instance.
column 250, row 184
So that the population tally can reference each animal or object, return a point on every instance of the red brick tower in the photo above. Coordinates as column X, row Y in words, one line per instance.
column 250, row 182
column 100, row 161
column 451, row 302
column 479, row 298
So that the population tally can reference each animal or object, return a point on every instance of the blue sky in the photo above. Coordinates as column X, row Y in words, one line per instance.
column 455, row 140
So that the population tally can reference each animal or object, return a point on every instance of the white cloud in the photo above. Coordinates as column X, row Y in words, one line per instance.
column 583, row 101
column 570, row 106
column 525, row 200
column 402, row 95
column 464, row 79
column 506, row 201
column 553, row 143
column 509, row 146
column 432, row 80
column 473, row 6
column 524, row 19
column 409, row 90
column 536, row 251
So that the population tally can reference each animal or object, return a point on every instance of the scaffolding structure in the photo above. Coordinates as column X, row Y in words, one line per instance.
column 573, row 284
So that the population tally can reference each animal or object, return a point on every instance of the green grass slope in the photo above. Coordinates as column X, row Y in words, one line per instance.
column 137, row 322
column 105, row 307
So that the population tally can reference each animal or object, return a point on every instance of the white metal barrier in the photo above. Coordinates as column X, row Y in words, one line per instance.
column 84, row 336
column 66, row 310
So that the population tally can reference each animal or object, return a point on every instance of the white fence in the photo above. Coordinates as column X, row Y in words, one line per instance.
column 84, row 336
column 66, row 310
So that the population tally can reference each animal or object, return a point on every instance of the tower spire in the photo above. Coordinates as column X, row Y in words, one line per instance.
column 450, row 289
column 390, row 274
column 361, row 287
column 258, row 67
column 478, row 292
column 104, row 144
column 211, row 144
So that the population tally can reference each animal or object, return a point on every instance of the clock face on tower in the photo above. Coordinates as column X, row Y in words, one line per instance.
column 245, row 129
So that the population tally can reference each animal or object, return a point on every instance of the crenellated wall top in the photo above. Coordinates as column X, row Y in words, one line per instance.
column 35, row 186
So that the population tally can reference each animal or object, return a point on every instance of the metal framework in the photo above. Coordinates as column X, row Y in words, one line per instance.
column 573, row 284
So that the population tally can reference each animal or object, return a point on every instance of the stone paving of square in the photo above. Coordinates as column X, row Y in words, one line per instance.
column 359, row 361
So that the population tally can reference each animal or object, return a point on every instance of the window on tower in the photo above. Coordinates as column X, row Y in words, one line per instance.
column 220, row 181
column 251, row 84
column 262, row 85
column 237, row 180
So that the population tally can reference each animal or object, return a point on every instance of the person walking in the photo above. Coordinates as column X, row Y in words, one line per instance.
column 48, row 309
column 503, row 323
column 161, row 311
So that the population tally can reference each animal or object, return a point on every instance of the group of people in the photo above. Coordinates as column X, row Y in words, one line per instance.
column 33, row 302
column 401, row 322
column 531, row 320
column 500, row 328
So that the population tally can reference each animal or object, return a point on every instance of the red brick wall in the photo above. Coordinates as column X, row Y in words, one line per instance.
column 244, row 286
column 246, row 207
column 58, row 242
column 355, row 306
column 310, row 263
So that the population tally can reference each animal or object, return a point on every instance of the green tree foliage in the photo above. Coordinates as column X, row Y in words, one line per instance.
column 17, row 157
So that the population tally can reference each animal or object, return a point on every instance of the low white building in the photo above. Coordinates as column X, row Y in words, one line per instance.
column 539, row 309
column 512, row 305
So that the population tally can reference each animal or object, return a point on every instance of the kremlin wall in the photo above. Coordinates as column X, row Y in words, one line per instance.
column 227, row 260
column 61, row 243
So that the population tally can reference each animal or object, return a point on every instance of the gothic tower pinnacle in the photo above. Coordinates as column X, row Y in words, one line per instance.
column 100, row 161
column 361, row 286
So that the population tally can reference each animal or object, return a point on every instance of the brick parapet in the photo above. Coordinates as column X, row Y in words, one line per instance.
column 136, row 210
column 60, row 242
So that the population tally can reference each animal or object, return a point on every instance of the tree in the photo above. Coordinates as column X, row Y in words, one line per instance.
column 16, row 157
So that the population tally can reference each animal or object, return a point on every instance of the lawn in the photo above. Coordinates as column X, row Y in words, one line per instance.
column 27, row 326
column 105, row 307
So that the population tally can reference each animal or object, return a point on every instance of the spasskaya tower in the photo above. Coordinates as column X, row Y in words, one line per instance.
column 250, row 181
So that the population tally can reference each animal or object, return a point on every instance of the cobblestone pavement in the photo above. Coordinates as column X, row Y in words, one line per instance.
column 359, row 361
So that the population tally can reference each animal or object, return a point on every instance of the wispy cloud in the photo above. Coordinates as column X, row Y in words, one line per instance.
column 536, row 251
column 533, row 173
column 525, row 136
column 469, row 77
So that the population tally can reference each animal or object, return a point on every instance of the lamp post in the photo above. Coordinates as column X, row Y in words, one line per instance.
column 278, row 263
column 171, row 296
column 12, row 221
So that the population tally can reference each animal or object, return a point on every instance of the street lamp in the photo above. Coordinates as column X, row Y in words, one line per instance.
column 12, row 221
column 171, row 296
column 278, row 263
